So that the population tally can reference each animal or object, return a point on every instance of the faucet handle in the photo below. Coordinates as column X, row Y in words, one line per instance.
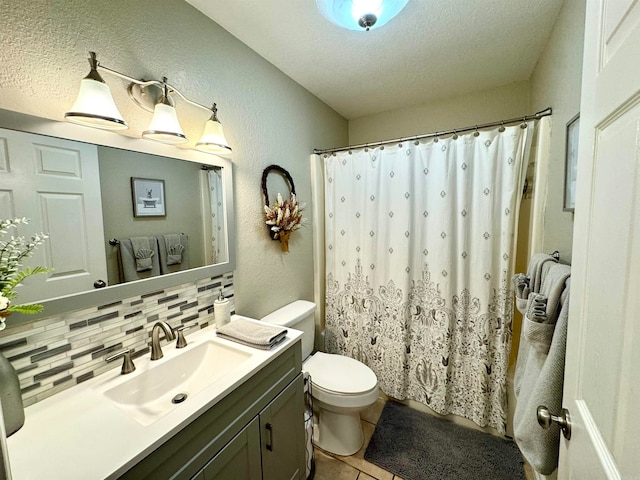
column 182, row 342
column 127, row 363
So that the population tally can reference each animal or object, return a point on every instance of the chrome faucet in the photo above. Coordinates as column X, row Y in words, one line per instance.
column 156, row 351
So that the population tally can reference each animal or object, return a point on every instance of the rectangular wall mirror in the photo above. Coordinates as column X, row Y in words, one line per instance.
column 98, row 195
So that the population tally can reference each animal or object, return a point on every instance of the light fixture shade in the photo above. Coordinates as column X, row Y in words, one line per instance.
column 355, row 14
column 213, row 139
column 164, row 126
column 94, row 107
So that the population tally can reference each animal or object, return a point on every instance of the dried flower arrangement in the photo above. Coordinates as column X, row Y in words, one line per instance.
column 12, row 252
column 285, row 216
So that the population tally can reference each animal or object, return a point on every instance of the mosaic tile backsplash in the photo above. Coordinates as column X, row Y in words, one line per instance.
column 61, row 351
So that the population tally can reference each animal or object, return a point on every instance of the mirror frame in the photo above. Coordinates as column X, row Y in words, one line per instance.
column 61, row 129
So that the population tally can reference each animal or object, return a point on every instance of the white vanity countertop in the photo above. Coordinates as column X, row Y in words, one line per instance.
column 81, row 434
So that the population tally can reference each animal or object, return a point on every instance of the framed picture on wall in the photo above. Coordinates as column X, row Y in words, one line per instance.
column 148, row 197
column 571, row 164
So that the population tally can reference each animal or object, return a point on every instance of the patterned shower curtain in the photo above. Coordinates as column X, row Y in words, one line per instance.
column 419, row 255
column 218, row 234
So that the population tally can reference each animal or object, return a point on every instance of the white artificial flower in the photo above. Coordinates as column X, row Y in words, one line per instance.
column 4, row 303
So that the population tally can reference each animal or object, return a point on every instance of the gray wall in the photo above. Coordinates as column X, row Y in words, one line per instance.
column 484, row 106
column 182, row 197
column 268, row 118
column 557, row 81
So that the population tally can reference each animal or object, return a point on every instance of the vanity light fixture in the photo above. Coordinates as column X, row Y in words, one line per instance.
column 360, row 14
column 95, row 107
column 213, row 140
column 165, row 126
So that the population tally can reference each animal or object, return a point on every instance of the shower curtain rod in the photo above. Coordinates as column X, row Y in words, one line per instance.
column 542, row 113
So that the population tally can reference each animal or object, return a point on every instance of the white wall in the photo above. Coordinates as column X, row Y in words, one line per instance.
column 507, row 101
column 268, row 118
column 556, row 81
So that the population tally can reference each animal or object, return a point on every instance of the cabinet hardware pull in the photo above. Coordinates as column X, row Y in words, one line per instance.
column 270, row 439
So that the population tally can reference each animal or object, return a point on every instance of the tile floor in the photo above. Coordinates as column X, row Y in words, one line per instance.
column 355, row 467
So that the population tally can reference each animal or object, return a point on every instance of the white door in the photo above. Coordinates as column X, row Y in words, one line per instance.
column 602, row 376
column 56, row 184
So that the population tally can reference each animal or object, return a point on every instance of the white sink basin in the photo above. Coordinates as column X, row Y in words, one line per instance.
column 148, row 395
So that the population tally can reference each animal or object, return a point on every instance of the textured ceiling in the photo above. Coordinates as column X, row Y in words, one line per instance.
column 432, row 49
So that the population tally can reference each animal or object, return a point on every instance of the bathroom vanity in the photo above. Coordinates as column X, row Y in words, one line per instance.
column 243, row 422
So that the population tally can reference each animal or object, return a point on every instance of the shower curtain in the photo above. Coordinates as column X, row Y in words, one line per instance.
column 420, row 242
column 218, row 234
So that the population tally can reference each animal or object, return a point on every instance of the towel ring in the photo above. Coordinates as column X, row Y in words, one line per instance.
column 265, row 193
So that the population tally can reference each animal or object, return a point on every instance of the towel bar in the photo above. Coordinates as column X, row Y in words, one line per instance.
column 114, row 241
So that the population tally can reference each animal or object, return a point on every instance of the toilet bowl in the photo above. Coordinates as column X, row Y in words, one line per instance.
column 340, row 387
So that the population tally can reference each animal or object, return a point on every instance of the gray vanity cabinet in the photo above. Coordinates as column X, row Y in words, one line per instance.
column 239, row 459
column 269, row 447
column 282, row 435
column 255, row 433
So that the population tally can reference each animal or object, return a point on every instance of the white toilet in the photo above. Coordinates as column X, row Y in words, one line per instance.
column 341, row 387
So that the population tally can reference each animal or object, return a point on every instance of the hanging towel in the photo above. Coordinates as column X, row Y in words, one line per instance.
column 521, row 288
column 129, row 260
column 252, row 334
column 142, row 253
column 534, row 324
column 540, row 367
column 174, row 249
column 534, row 271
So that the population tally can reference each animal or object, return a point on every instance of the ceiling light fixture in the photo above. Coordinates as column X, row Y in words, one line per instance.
column 360, row 14
column 94, row 107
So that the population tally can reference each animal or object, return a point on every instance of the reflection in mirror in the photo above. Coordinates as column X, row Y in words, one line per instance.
column 113, row 215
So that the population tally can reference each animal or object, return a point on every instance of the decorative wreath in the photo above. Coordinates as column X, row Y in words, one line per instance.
column 285, row 216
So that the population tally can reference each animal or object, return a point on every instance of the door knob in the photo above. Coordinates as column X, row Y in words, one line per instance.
column 545, row 419
column 99, row 284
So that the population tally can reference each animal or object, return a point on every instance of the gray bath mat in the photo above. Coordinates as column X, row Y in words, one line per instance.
column 418, row 446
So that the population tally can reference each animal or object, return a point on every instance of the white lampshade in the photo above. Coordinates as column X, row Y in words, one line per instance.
column 164, row 126
column 347, row 13
column 213, row 139
column 360, row 8
column 94, row 107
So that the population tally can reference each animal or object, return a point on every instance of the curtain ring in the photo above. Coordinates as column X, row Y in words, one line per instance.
column 399, row 145
column 501, row 129
column 437, row 139
column 523, row 125
column 476, row 133
column 381, row 147
column 455, row 135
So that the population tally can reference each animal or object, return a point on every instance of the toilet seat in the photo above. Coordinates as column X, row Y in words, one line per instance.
column 341, row 381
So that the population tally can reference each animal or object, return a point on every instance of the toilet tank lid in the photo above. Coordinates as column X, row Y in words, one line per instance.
column 291, row 313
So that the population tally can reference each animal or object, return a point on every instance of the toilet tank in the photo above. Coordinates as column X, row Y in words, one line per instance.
column 298, row 315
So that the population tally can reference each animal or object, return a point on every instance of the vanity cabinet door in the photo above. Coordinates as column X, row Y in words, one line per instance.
column 239, row 459
column 282, row 434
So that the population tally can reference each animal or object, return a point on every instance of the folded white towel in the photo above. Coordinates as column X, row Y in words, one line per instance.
column 253, row 334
